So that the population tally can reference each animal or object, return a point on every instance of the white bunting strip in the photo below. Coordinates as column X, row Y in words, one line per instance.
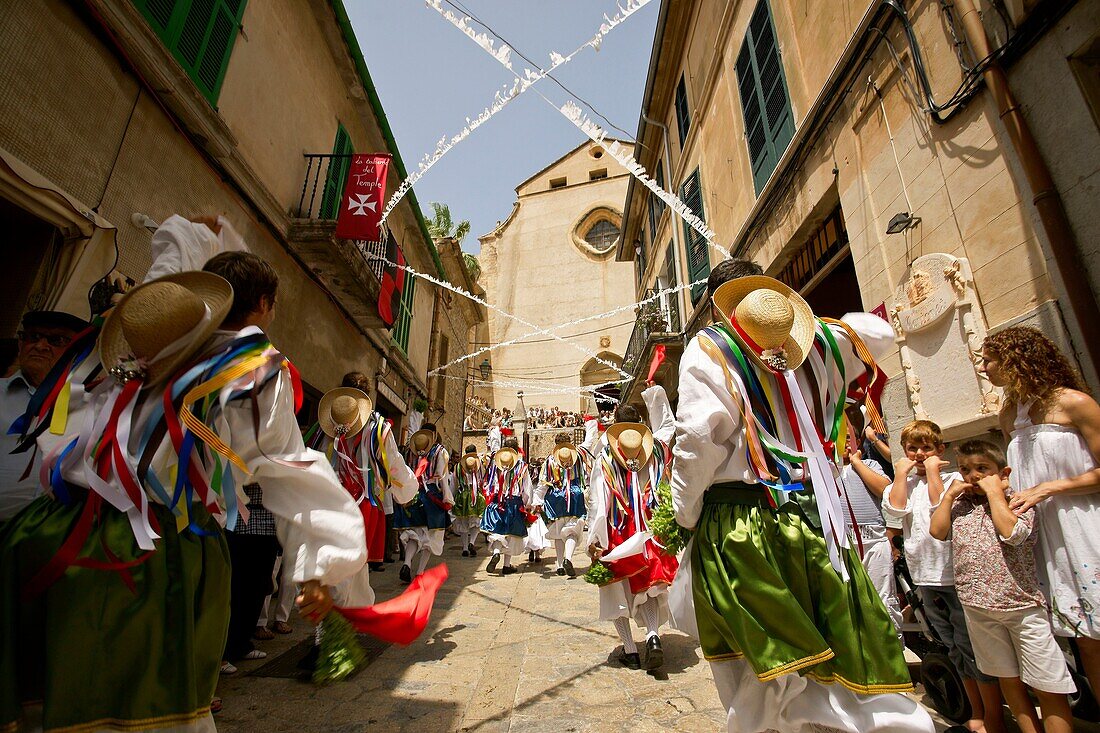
column 567, row 324
column 500, row 100
column 459, row 291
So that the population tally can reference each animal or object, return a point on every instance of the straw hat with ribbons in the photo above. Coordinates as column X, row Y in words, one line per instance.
column 774, row 324
column 471, row 461
column 631, row 444
column 344, row 411
column 565, row 453
column 422, row 441
column 158, row 326
column 506, row 459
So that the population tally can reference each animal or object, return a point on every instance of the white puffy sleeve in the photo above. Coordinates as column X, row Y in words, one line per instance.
column 403, row 483
column 877, row 335
column 440, row 470
column 317, row 521
column 598, row 499
column 706, row 419
column 180, row 245
column 661, row 420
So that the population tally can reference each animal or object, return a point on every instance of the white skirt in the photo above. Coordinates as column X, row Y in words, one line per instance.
column 566, row 527
column 507, row 544
column 536, row 536
column 431, row 539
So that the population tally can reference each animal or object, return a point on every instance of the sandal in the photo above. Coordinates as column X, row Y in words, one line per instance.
column 216, row 705
column 255, row 654
column 263, row 633
column 282, row 627
column 228, row 668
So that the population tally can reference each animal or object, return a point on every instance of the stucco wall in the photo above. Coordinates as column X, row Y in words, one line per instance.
column 532, row 268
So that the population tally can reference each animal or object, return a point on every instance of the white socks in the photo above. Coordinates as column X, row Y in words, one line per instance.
column 559, row 551
column 650, row 616
column 410, row 550
column 622, row 625
column 425, row 556
column 570, row 547
column 507, row 559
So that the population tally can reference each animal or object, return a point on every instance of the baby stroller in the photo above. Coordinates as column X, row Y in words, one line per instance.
column 938, row 674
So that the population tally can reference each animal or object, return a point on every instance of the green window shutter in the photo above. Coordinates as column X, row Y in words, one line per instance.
column 769, row 122
column 337, row 176
column 403, row 324
column 698, row 254
column 656, row 205
column 199, row 33
column 683, row 114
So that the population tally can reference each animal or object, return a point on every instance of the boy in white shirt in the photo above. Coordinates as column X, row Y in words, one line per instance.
column 915, row 494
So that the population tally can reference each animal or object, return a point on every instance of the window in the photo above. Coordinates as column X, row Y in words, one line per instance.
column 598, row 174
column 656, row 205
column 683, row 115
column 200, row 35
column 769, row 123
column 698, row 251
column 640, row 262
column 337, row 176
column 667, row 279
column 826, row 242
column 557, row 183
column 602, row 235
column 440, row 386
column 401, row 327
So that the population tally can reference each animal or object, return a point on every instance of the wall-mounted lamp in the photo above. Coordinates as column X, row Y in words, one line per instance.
column 486, row 369
column 902, row 221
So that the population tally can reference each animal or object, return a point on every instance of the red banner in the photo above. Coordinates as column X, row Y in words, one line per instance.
column 364, row 198
column 392, row 284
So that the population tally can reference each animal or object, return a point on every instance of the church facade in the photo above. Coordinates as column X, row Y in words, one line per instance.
column 550, row 262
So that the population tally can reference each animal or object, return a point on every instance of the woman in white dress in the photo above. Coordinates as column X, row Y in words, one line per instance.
column 1054, row 452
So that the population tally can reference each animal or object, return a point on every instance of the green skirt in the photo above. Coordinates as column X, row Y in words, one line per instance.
column 764, row 591
column 96, row 653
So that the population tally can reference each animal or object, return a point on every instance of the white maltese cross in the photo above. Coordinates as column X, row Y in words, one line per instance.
column 359, row 202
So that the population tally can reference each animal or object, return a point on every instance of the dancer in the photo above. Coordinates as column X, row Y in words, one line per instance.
column 796, row 634
column 563, row 495
column 469, row 488
column 422, row 522
column 508, row 495
column 116, row 584
column 623, row 495
column 369, row 466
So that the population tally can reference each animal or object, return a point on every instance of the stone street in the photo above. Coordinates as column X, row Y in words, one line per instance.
column 501, row 654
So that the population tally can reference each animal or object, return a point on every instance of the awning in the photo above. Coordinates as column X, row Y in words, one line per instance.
column 89, row 240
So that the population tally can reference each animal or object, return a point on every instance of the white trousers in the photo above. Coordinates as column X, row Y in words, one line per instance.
column 879, row 563
column 794, row 704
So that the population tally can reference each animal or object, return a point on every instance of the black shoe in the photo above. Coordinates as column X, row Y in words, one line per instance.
column 560, row 571
column 493, row 562
column 377, row 567
column 473, row 550
column 569, row 569
column 531, row 556
column 654, row 655
column 406, row 574
column 507, row 570
column 630, row 661
column 465, row 553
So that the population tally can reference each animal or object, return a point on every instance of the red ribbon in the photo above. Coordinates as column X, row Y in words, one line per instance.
column 421, row 466
column 658, row 358
column 400, row 620
column 296, row 385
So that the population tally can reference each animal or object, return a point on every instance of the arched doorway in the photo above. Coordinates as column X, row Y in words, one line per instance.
column 593, row 373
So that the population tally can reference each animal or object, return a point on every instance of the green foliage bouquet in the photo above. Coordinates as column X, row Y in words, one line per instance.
column 666, row 530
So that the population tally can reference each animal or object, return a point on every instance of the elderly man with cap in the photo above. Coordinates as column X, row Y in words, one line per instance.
column 468, row 481
column 422, row 522
column 509, row 496
column 628, row 468
column 562, row 492
column 43, row 337
column 796, row 635
column 115, row 589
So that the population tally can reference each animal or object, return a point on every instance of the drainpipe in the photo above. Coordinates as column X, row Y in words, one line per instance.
column 671, row 223
column 1048, row 203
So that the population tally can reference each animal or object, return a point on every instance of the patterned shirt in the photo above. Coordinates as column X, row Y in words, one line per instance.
column 866, row 507
column 991, row 572
column 260, row 520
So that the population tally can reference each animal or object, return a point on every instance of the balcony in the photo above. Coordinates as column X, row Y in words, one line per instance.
column 339, row 265
column 658, row 323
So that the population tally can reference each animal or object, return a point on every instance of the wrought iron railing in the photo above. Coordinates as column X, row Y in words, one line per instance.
column 322, row 186
column 660, row 316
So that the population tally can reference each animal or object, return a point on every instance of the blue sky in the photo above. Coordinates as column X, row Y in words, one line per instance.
column 430, row 78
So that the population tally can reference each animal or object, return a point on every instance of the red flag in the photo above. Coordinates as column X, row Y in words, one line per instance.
column 658, row 357
column 364, row 197
column 393, row 283
column 400, row 620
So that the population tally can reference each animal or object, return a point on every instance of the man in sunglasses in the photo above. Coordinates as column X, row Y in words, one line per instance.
column 43, row 337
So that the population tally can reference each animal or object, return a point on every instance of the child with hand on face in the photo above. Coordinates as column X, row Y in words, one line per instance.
column 918, row 488
column 998, row 586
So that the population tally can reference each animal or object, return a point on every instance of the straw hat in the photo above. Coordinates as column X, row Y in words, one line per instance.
column 778, row 321
column 506, row 458
column 158, row 326
column 565, row 453
column 471, row 461
column 631, row 444
column 344, row 411
column 422, row 441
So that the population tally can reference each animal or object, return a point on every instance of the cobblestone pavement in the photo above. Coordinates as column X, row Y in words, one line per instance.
column 522, row 653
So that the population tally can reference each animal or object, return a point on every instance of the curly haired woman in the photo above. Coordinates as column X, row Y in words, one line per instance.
column 1054, row 449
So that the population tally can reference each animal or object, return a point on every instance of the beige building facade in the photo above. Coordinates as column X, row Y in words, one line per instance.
column 120, row 113
column 802, row 134
column 552, row 261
